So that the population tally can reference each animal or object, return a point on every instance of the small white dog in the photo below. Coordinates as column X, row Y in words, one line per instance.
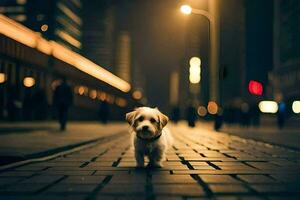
column 151, row 137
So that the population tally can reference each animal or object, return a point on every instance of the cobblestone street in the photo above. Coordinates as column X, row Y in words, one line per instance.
column 202, row 164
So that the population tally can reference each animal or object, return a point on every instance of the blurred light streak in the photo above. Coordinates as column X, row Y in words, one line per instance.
column 268, row 106
column 195, row 70
column 20, row 33
column 93, row 94
column 2, row 77
column 29, row 81
column 296, row 107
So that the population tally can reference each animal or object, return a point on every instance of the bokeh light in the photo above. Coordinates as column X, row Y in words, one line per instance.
column 296, row 107
column 137, row 94
column 268, row 106
column 29, row 81
column 202, row 111
column 212, row 108
column 186, row 9
column 2, row 77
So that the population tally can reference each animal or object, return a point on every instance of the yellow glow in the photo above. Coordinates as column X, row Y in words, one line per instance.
column 202, row 111
column 194, row 78
column 102, row 96
column 2, row 77
column 186, row 9
column 88, row 67
column 31, row 39
column 137, row 95
column 29, row 81
column 296, row 107
column 93, row 94
column 110, row 99
column 55, row 83
column 69, row 38
column 44, row 27
column 195, row 61
column 195, row 70
column 121, row 102
column 212, row 107
column 268, row 106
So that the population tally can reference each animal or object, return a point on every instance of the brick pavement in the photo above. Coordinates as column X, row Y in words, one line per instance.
column 201, row 165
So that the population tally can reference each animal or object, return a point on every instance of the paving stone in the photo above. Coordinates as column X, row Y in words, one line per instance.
column 71, row 188
column 172, row 179
column 23, row 188
column 256, row 178
column 42, row 179
column 133, row 188
column 218, row 179
column 83, row 180
column 179, row 189
column 228, row 188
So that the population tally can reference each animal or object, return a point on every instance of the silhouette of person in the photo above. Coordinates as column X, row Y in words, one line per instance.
column 104, row 112
column 63, row 99
column 191, row 115
column 175, row 114
column 281, row 115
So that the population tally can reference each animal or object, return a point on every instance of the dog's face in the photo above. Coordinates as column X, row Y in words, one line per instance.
column 147, row 122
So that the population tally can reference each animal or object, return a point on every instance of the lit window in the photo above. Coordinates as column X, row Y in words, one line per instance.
column 29, row 81
column 2, row 77
column 69, row 13
column 68, row 38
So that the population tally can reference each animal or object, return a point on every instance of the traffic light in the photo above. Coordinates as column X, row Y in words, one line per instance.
column 255, row 88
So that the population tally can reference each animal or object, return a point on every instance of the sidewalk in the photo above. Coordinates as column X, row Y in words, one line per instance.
column 287, row 137
column 202, row 164
column 28, row 140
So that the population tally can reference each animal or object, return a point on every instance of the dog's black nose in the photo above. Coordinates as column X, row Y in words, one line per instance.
column 145, row 128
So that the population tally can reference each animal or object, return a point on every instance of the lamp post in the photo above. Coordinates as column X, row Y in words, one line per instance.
column 214, row 46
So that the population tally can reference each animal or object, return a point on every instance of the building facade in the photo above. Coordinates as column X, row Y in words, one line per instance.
column 58, row 20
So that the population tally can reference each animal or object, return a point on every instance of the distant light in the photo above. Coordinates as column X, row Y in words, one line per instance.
column 2, row 77
column 55, row 83
column 186, row 9
column 212, row 108
column 137, row 95
column 268, row 106
column 110, row 98
column 121, row 102
column 44, row 27
column 93, row 94
column 21, row 2
column 195, row 61
column 102, row 96
column 29, row 81
column 195, row 70
column 255, row 88
column 202, row 111
column 296, row 107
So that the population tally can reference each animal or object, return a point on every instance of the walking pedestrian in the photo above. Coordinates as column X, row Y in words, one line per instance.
column 62, row 100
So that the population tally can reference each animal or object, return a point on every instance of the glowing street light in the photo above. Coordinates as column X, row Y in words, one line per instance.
column 195, row 70
column 186, row 9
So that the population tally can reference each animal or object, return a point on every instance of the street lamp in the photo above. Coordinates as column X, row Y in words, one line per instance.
column 186, row 9
column 214, row 45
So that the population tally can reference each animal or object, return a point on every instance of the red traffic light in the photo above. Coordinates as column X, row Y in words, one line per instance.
column 255, row 88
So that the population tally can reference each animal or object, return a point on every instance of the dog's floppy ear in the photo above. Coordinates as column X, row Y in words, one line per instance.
column 130, row 117
column 163, row 120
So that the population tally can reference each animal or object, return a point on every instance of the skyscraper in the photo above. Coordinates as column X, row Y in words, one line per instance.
column 58, row 20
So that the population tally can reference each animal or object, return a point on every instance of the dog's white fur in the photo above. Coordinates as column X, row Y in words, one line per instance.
column 146, row 140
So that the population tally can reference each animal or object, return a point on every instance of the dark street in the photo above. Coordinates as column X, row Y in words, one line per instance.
column 131, row 99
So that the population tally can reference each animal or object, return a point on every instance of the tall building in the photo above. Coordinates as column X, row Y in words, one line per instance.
column 98, row 34
column 58, row 20
column 286, row 73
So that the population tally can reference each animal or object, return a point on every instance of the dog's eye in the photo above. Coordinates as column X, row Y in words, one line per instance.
column 141, row 119
column 152, row 120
